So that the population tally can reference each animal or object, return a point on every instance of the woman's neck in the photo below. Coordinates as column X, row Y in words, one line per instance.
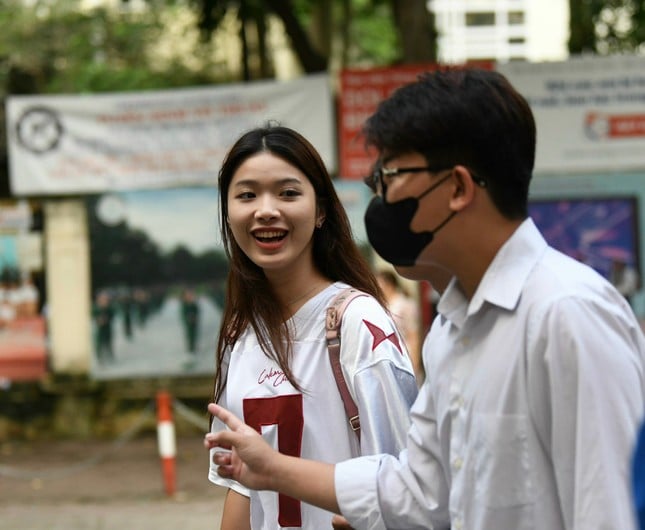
column 294, row 292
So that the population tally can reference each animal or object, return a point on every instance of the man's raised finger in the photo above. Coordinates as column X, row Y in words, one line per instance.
column 231, row 421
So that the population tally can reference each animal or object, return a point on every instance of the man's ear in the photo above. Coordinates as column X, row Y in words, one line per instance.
column 464, row 188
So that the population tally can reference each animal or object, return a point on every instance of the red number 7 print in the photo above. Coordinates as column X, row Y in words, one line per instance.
column 286, row 413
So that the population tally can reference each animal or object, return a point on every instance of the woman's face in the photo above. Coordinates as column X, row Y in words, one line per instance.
column 272, row 213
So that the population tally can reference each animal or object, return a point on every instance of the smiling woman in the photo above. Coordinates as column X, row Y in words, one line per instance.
column 291, row 252
column 272, row 214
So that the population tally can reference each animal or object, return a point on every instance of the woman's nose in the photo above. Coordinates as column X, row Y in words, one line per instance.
column 267, row 209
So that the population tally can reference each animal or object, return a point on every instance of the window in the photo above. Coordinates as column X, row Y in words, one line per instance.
column 516, row 40
column 515, row 18
column 480, row 18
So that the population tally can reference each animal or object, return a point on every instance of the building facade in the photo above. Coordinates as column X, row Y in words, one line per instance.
column 501, row 30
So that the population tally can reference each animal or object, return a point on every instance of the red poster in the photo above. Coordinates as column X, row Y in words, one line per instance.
column 361, row 92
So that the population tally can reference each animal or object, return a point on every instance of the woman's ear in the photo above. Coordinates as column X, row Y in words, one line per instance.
column 320, row 217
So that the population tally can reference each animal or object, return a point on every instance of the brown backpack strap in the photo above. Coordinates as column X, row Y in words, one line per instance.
column 332, row 332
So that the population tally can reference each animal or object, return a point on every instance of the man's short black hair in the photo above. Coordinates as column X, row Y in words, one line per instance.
column 470, row 117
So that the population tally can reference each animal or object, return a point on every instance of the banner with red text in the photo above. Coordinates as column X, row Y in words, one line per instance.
column 360, row 93
column 88, row 143
column 590, row 112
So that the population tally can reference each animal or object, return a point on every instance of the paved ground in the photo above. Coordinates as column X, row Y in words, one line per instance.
column 92, row 485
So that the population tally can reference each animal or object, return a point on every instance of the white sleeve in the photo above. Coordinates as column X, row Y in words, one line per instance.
column 384, row 491
column 379, row 375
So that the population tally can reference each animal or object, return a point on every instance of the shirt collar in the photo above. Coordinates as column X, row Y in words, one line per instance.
column 504, row 279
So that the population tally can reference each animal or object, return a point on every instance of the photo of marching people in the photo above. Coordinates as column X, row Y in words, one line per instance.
column 157, row 277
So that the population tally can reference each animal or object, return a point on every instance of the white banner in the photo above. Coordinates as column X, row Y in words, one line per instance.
column 590, row 112
column 89, row 143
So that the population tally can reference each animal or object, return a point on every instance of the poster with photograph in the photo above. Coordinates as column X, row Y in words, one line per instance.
column 599, row 231
column 23, row 342
column 158, row 275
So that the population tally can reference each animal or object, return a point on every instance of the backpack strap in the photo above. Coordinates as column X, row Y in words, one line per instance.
column 333, row 321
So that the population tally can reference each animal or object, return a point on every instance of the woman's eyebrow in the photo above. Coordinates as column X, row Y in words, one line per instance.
column 281, row 182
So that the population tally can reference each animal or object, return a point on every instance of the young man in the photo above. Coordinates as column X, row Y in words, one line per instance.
column 535, row 383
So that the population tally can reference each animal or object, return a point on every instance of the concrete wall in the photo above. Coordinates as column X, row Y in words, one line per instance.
column 68, row 286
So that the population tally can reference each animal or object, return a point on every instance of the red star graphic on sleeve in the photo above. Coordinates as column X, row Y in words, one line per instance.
column 379, row 336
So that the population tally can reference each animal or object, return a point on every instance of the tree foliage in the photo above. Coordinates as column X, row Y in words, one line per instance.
column 64, row 49
column 326, row 33
column 606, row 26
column 126, row 256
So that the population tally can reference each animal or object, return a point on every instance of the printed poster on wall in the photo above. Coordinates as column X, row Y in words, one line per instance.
column 23, row 343
column 590, row 112
column 157, row 282
column 601, row 232
column 90, row 143
column 158, row 273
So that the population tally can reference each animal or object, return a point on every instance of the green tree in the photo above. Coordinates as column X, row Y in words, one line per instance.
column 606, row 26
column 64, row 49
column 331, row 33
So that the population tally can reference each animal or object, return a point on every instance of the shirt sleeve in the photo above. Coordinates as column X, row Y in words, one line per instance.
column 379, row 375
column 587, row 401
column 383, row 491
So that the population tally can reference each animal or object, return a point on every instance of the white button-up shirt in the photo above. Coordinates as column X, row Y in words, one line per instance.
column 528, row 415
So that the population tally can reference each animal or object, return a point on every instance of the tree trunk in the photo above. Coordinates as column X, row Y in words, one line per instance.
column 582, row 34
column 417, row 30
column 345, row 24
column 266, row 70
column 321, row 27
column 310, row 59
column 242, row 15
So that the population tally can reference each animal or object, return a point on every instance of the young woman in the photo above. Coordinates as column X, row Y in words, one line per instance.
column 291, row 251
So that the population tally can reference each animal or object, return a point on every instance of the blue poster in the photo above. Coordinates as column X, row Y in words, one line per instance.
column 596, row 231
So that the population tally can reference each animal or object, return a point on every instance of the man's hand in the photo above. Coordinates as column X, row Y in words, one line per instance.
column 255, row 464
column 250, row 457
column 338, row 522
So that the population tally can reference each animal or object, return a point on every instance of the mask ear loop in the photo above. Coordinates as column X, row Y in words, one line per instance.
column 431, row 188
column 441, row 225
column 435, row 185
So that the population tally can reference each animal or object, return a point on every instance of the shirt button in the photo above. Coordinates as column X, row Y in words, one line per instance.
column 457, row 524
column 465, row 341
column 457, row 463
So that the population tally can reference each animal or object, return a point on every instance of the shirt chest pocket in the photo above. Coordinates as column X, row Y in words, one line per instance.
column 501, row 461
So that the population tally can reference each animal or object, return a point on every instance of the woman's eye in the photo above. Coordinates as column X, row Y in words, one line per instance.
column 245, row 195
column 291, row 193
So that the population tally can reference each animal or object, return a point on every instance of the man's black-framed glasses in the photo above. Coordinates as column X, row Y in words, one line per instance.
column 375, row 181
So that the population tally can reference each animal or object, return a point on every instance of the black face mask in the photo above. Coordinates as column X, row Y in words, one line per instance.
column 388, row 228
